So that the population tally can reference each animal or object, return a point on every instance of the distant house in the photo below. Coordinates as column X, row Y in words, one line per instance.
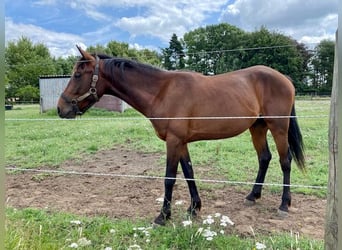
column 51, row 87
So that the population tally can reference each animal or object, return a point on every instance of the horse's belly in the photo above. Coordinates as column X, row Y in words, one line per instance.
column 217, row 129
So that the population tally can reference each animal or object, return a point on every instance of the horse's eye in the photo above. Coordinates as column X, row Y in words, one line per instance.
column 77, row 75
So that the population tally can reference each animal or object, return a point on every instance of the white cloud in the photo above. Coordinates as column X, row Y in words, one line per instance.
column 300, row 19
column 163, row 18
column 134, row 21
column 59, row 44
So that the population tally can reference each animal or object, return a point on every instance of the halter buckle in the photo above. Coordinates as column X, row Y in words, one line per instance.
column 95, row 78
column 93, row 91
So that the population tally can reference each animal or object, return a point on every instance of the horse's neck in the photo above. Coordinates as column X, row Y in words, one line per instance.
column 138, row 90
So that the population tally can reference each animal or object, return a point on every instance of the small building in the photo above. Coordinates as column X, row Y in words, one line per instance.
column 51, row 87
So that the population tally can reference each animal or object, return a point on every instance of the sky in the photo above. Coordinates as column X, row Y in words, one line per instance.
column 61, row 24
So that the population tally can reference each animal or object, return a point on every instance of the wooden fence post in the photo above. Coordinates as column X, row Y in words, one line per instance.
column 333, row 227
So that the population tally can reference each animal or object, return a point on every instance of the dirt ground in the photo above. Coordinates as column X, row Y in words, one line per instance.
column 125, row 197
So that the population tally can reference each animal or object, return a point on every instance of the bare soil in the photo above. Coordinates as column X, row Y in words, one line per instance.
column 135, row 198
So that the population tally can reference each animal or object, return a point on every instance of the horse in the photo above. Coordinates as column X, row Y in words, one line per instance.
column 181, row 106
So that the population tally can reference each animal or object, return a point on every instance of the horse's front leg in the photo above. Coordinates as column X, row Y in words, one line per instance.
column 172, row 160
column 189, row 175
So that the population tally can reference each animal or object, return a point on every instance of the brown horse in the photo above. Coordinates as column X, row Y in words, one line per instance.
column 259, row 98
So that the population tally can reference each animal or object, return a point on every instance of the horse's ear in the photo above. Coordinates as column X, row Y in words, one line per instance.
column 85, row 54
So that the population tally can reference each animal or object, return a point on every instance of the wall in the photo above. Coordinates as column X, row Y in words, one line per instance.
column 51, row 87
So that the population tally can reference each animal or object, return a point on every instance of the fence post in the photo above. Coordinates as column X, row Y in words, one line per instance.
column 334, row 208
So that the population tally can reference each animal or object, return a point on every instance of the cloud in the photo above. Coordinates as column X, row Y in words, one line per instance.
column 163, row 18
column 143, row 18
column 59, row 44
column 151, row 23
column 295, row 17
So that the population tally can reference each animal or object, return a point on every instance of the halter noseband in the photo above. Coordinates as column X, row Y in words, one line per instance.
column 92, row 90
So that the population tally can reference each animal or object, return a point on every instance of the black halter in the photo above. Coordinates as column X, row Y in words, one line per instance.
column 91, row 92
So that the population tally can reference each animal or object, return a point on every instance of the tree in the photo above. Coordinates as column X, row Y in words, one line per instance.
column 64, row 66
column 322, row 66
column 25, row 62
column 279, row 52
column 214, row 49
column 120, row 49
column 221, row 48
column 173, row 56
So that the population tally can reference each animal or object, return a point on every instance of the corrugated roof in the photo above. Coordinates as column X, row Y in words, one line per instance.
column 54, row 76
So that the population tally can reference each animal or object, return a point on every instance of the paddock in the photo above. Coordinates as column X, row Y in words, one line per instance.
column 124, row 180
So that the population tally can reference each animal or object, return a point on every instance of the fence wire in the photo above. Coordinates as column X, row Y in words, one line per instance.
column 112, row 175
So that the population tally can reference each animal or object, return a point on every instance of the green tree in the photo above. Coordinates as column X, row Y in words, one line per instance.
column 173, row 56
column 279, row 52
column 322, row 64
column 120, row 49
column 25, row 62
column 64, row 66
column 28, row 93
column 214, row 49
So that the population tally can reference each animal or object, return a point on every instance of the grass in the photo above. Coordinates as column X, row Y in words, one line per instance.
column 49, row 142
column 46, row 141
column 38, row 229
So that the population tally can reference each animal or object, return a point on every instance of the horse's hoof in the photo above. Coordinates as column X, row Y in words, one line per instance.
column 193, row 212
column 249, row 202
column 161, row 219
column 282, row 214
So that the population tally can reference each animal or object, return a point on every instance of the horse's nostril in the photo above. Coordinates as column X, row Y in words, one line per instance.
column 58, row 110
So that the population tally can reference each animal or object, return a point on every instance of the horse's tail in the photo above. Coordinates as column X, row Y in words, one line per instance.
column 296, row 141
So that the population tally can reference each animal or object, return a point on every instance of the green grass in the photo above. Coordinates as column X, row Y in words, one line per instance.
column 37, row 229
column 47, row 141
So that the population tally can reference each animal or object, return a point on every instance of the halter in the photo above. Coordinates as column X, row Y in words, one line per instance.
column 92, row 90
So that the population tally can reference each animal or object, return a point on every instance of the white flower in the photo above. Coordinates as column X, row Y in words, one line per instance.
column 217, row 214
column 208, row 234
column 134, row 247
column 187, row 223
column 260, row 246
column 160, row 200
column 225, row 219
column 73, row 245
column 76, row 222
column 84, row 242
column 108, row 248
column 222, row 232
column 180, row 202
column 112, row 231
column 209, row 220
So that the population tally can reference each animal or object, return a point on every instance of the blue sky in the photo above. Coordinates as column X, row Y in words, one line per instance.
column 61, row 24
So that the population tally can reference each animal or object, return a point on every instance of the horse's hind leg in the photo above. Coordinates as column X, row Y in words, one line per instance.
column 279, row 129
column 259, row 132
column 189, row 175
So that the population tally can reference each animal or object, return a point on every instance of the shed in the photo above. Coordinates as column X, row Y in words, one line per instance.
column 51, row 87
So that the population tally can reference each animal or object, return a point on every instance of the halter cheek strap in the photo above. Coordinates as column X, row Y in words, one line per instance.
column 92, row 90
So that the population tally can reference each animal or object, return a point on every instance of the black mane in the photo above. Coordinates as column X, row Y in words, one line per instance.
column 124, row 64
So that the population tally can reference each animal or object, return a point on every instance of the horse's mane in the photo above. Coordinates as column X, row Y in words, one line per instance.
column 110, row 63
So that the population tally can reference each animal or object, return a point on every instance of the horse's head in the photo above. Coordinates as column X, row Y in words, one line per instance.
column 82, row 90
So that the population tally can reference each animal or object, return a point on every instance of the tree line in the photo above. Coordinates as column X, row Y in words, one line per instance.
column 210, row 50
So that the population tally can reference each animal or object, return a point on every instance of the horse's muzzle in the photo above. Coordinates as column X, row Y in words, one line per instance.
column 71, row 114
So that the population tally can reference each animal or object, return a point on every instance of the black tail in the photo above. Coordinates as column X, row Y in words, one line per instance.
column 296, row 141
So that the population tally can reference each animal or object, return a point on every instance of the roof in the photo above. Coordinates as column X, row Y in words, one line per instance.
column 54, row 76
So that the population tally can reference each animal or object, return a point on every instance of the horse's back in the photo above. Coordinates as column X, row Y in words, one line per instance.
column 251, row 92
